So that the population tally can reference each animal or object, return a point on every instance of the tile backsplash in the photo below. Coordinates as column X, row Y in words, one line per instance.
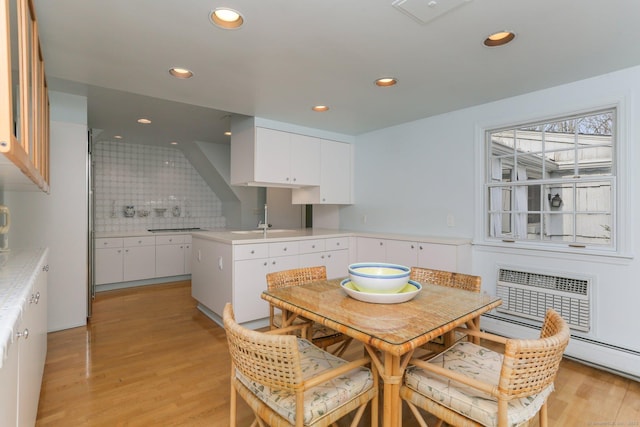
column 160, row 184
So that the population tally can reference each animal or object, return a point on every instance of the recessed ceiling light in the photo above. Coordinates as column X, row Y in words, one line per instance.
column 499, row 38
column 386, row 81
column 226, row 18
column 117, row 136
column 320, row 108
column 228, row 133
column 180, row 73
column 174, row 143
column 144, row 121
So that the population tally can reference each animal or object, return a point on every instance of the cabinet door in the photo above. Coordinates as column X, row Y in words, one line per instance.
column 335, row 176
column 337, row 263
column 32, row 350
column 249, row 280
column 9, row 387
column 371, row 250
column 108, row 265
column 169, row 260
column 272, row 156
column 305, row 160
column 440, row 257
column 139, row 263
column 402, row 252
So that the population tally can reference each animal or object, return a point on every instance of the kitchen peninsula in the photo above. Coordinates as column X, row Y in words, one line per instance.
column 231, row 266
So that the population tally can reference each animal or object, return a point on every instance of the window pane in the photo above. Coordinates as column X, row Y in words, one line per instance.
column 593, row 228
column 593, row 197
column 559, row 227
column 533, row 227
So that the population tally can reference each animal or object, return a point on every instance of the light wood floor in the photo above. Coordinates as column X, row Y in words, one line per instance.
column 150, row 358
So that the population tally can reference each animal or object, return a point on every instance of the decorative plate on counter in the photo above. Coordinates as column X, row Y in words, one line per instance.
column 407, row 293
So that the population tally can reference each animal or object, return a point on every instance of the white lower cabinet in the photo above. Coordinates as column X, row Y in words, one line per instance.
column 33, row 351
column 173, row 255
column 333, row 253
column 250, row 268
column 108, row 261
column 9, row 387
column 222, row 272
column 22, row 369
column 442, row 255
column 125, row 259
column 139, row 260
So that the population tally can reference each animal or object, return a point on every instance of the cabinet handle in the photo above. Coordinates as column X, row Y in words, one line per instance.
column 273, row 263
column 105, row 243
column 313, row 246
column 252, row 251
column 420, row 247
column 24, row 334
column 329, row 256
column 181, row 247
column 265, row 263
column 119, row 250
column 321, row 256
column 126, row 250
column 285, row 249
column 412, row 247
column 294, row 179
column 381, row 244
column 139, row 241
column 337, row 243
column 170, row 240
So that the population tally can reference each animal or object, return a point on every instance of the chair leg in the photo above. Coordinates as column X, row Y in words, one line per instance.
column 233, row 405
column 543, row 415
column 417, row 415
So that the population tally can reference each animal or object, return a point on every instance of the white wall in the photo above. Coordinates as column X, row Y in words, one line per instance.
column 409, row 178
column 59, row 220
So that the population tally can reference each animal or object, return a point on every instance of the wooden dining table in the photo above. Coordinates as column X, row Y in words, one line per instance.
column 390, row 332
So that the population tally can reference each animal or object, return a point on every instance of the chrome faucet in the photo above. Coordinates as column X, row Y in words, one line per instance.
column 264, row 225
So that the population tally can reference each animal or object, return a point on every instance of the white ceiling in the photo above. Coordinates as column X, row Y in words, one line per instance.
column 291, row 55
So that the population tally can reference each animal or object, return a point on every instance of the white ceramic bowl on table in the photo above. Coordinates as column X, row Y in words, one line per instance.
column 410, row 290
column 379, row 277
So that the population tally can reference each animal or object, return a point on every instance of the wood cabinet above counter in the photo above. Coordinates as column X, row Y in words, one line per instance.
column 24, row 112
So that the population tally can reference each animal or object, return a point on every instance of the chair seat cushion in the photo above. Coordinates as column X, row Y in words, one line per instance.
column 482, row 364
column 318, row 330
column 319, row 400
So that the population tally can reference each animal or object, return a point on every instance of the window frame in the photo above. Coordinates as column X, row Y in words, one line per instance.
column 620, row 198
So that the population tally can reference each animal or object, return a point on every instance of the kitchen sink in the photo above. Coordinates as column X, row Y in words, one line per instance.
column 269, row 231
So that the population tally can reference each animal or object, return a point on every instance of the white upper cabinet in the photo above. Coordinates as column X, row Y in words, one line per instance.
column 272, row 158
column 335, row 177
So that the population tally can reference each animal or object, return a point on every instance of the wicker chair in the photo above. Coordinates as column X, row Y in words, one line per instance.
column 470, row 385
column 446, row 278
column 452, row 280
column 320, row 335
column 288, row 381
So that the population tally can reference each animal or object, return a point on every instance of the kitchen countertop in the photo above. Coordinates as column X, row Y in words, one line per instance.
column 236, row 237
column 18, row 272
column 250, row 236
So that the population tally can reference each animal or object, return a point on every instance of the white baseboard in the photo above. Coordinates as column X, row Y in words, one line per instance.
column 618, row 360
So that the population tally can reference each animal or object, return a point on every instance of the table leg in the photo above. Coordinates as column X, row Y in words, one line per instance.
column 391, row 369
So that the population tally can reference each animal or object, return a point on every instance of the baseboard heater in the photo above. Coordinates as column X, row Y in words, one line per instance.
column 619, row 360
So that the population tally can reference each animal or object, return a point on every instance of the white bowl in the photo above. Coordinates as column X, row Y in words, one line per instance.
column 379, row 277
column 410, row 290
